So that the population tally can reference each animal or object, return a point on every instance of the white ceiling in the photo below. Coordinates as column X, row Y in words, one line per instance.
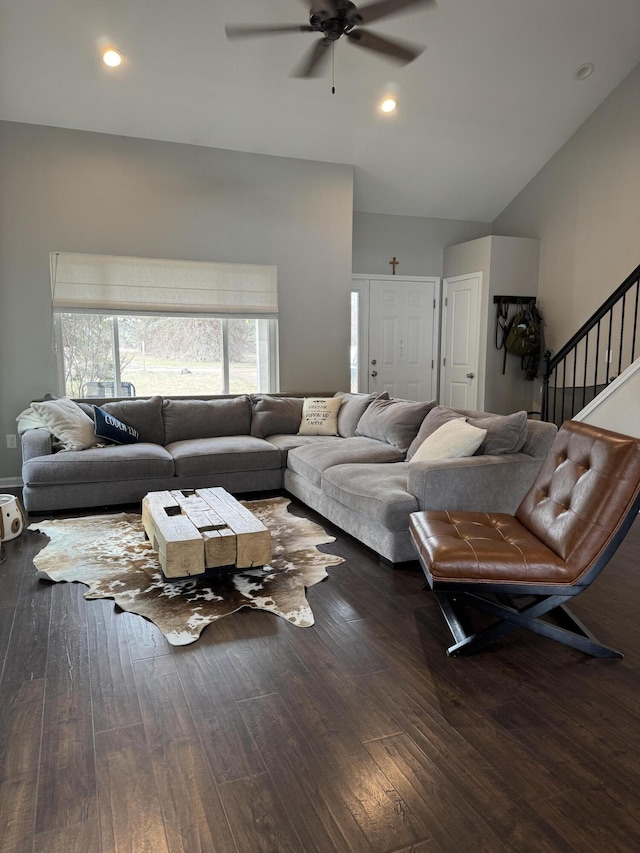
column 480, row 111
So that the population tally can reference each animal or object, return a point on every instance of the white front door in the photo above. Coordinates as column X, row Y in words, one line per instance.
column 403, row 333
column 460, row 341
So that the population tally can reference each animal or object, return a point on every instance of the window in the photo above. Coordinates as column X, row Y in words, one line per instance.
column 205, row 328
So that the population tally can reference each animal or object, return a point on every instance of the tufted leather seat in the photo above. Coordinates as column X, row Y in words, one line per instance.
column 568, row 525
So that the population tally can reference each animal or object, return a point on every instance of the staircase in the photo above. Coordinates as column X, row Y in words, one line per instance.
column 605, row 346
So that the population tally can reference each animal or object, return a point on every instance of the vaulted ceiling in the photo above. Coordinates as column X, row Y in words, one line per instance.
column 479, row 112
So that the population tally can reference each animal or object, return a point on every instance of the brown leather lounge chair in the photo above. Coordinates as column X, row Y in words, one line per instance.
column 522, row 568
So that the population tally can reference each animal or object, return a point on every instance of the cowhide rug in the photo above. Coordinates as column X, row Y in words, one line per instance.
column 111, row 556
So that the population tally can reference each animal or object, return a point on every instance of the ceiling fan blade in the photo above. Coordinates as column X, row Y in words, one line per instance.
column 313, row 60
column 382, row 8
column 238, row 31
column 400, row 51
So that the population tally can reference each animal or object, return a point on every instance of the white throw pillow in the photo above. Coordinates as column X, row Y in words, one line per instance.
column 452, row 440
column 66, row 420
column 320, row 416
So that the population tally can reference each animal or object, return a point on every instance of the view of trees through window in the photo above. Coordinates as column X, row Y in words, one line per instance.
column 160, row 355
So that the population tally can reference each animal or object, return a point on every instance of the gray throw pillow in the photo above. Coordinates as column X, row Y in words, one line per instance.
column 145, row 416
column 275, row 415
column 435, row 418
column 395, row 422
column 505, row 433
column 185, row 419
column 352, row 409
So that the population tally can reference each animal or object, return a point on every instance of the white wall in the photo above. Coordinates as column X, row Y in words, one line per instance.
column 85, row 192
column 584, row 206
column 417, row 242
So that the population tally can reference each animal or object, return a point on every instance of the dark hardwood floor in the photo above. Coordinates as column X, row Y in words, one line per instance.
column 357, row 734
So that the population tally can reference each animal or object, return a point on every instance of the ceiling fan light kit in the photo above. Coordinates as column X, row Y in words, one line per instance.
column 334, row 19
column 112, row 57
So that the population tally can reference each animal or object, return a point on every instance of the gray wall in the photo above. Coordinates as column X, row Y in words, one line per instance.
column 584, row 206
column 86, row 192
column 417, row 242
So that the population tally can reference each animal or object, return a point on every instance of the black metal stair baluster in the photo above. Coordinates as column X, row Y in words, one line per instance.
column 635, row 323
column 584, row 375
column 573, row 382
column 622, row 318
column 597, row 361
column 564, row 388
column 609, row 346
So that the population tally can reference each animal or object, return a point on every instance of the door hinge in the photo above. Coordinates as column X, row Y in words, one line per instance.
column 444, row 362
column 434, row 303
column 432, row 364
column 446, row 301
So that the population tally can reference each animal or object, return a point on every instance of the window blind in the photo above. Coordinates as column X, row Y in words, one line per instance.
column 124, row 285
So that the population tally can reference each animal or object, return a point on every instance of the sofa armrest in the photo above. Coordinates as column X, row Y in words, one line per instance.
column 477, row 483
column 36, row 442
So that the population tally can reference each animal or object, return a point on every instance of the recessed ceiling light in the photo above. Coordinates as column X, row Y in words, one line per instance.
column 584, row 71
column 388, row 105
column 112, row 57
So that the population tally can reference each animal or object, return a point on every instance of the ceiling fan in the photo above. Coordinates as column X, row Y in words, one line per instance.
column 336, row 18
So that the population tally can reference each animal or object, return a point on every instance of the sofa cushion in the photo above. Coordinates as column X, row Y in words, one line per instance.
column 275, row 415
column 452, row 440
column 286, row 442
column 505, row 433
column 435, row 418
column 116, row 462
column 320, row 416
column 312, row 460
column 186, row 419
column 394, row 421
column 223, row 454
column 145, row 416
column 377, row 491
column 352, row 409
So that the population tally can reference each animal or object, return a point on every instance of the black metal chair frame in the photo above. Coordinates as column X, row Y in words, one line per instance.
column 498, row 599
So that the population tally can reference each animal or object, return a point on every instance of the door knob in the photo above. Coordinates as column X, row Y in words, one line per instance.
column 470, row 375
column 374, row 372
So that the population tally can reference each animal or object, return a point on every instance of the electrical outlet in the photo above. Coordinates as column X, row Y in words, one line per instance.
column 11, row 442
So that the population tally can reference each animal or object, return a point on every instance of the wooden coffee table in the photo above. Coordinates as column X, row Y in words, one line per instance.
column 198, row 529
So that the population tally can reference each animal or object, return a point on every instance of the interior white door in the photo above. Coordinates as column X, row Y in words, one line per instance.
column 460, row 341
column 403, row 333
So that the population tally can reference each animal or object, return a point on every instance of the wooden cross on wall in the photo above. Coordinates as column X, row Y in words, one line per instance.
column 394, row 263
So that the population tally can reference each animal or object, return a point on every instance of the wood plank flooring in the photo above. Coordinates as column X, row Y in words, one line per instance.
column 357, row 734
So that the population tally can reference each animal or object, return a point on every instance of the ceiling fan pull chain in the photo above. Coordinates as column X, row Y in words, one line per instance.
column 333, row 68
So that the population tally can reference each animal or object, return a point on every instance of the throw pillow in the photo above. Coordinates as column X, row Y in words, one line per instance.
column 395, row 422
column 66, row 420
column 437, row 416
column 111, row 429
column 275, row 415
column 452, row 440
column 320, row 416
column 505, row 433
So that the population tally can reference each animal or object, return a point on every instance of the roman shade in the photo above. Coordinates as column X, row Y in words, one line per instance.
column 125, row 285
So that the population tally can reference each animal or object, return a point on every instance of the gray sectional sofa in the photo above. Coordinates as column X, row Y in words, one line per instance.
column 364, row 479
